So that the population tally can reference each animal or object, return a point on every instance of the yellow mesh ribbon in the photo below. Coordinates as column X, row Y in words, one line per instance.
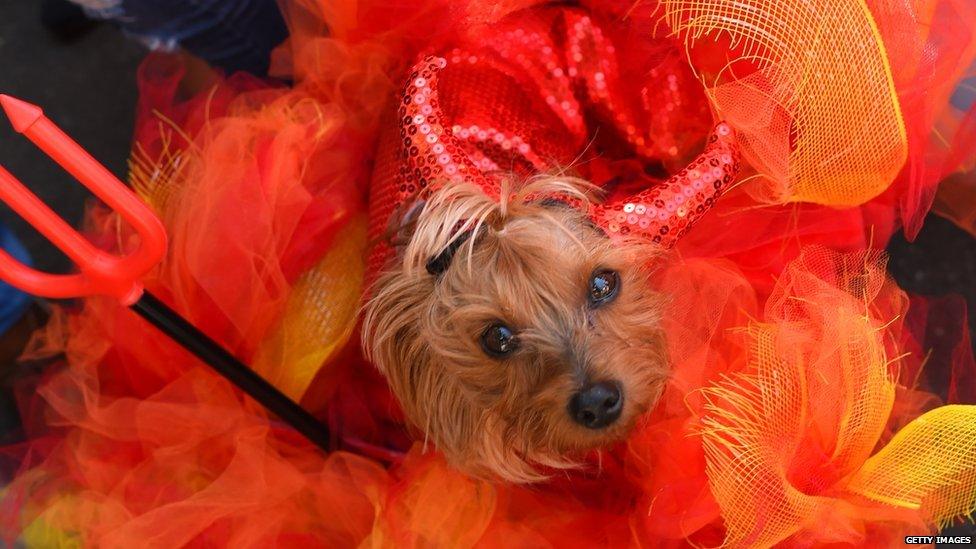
column 155, row 180
column 929, row 465
column 320, row 315
column 818, row 116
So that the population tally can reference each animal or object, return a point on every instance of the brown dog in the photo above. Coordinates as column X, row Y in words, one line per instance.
column 514, row 316
column 540, row 340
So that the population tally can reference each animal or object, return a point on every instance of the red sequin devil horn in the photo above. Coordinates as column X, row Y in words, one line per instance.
column 433, row 155
column 666, row 211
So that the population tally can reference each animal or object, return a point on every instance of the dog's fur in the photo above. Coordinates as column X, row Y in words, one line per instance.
column 528, row 264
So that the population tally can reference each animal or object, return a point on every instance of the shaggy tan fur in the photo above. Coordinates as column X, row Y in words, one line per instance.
column 530, row 267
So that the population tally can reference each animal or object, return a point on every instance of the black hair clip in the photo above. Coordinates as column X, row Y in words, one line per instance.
column 439, row 263
column 554, row 202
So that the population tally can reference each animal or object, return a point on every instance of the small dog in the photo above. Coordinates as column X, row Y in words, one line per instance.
column 542, row 338
column 513, row 314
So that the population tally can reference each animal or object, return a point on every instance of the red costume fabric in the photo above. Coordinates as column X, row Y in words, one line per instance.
column 798, row 412
column 528, row 97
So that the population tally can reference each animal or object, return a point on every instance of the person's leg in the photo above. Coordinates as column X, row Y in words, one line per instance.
column 232, row 36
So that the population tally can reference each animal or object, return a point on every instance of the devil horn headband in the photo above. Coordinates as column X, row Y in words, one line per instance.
column 434, row 155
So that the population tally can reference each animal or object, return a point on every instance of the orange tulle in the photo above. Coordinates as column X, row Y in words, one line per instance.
column 798, row 411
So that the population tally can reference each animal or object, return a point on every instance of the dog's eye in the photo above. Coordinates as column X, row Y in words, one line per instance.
column 499, row 340
column 603, row 286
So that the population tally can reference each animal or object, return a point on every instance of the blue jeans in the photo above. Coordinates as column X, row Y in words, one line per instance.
column 234, row 35
column 964, row 96
column 13, row 302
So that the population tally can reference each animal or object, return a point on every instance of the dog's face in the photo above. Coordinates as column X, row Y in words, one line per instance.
column 537, row 340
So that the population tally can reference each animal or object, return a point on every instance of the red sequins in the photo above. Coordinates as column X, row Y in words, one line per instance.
column 524, row 101
column 665, row 212
column 431, row 152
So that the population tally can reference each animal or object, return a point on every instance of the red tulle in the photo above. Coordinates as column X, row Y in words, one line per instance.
column 263, row 189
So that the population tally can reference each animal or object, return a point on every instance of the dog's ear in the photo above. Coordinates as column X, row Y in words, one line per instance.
column 403, row 223
column 403, row 226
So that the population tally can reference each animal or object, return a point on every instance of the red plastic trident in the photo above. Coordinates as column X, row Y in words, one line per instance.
column 105, row 274
column 100, row 273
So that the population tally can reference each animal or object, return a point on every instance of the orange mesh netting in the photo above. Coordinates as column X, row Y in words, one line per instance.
column 933, row 43
column 797, row 409
column 825, row 116
column 808, row 87
column 787, row 442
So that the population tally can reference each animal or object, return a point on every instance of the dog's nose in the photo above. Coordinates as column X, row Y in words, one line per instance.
column 597, row 405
